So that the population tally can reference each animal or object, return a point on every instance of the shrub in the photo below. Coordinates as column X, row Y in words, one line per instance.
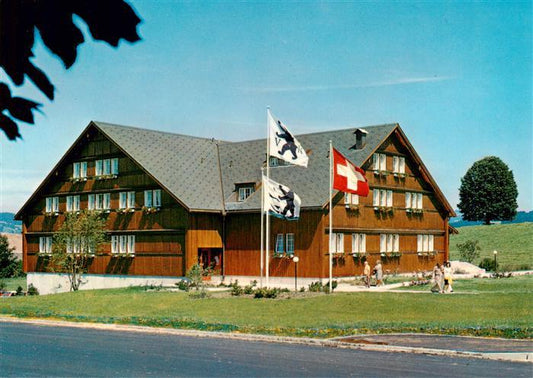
column 2, row 285
column 20, row 290
column 195, row 277
column 469, row 250
column 183, row 285
column 266, row 292
column 318, row 287
column 488, row 264
column 236, row 290
column 32, row 290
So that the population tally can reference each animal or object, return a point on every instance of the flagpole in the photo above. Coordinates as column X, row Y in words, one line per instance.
column 330, row 216
column 267, row 215
column 262, row 225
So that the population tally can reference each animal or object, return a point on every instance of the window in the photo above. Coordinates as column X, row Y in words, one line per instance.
column 245, row 192
column 126, row 200
column 106, row 167
column 45, row 244
column 337, row 243
column 379, row 162
column 290, row 244
column 279, row 244
column 398, row 164
column 152, row 198
column 358, row 243
column 52, row 205
column 425, row 243
column 79, row 169
column 389, row 243
column 382, row 197
column 123, row 244
column 73, row 203
column 351, row 199
column 413, row 201
column 100, row 201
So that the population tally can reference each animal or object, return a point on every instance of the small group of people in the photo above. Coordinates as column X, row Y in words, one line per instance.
column 378, row 272
column 442, row 278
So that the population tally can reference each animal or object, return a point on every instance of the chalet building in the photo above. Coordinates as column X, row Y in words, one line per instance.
column 172, row 201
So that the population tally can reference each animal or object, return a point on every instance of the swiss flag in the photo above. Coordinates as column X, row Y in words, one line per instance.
column 347, row 177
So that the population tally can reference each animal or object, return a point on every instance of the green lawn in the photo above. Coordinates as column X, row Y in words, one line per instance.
column 13, row 283
column 514, row 243
column 478, row 307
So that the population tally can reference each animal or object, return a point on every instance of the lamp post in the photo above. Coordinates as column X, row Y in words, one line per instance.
column 295, row 259
column 495, row 261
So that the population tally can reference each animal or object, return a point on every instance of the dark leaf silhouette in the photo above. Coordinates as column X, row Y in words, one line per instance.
column 108, row 20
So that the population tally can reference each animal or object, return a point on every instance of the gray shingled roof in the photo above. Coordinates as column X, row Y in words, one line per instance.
column 241, row 162
column 188, row 166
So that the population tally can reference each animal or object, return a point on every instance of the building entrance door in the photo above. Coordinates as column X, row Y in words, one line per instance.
column 210, row 258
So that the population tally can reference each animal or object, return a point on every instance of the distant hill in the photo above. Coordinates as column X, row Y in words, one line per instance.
column 521, row 217
column 8, row 225
column 513, row 243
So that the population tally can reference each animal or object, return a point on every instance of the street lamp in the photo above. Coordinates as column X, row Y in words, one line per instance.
column 295, row 259
column 495, row 261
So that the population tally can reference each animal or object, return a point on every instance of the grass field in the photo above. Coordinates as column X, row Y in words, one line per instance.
column 487, row 307
column 13, row 283
column 514, row 243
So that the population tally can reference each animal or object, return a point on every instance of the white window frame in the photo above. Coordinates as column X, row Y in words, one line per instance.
column 131, row 200
column 107, row 201
column 351, row 199
column 244, row 193
column 398, row 164
column 152, row 198
column 358, row 243
column 156, row 198
column 91, row 203
column 379, row 162
column 114, row 244
column 98, row 167
column 425, row 243
column 83, row 169
column 279, row 245
column 107, row 167
column 126, row 200
column 131, row 244
column 76, row 170
column 337, row 243
column 70, row 203
column 52, row 205
column 289, row 239
column 45, row 244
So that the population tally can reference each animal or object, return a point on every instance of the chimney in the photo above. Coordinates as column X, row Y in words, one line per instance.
column 360, row 139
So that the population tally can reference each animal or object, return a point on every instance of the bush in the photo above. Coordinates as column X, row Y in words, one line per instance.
column 236, row 290
column 195, row 277
column 266, row 293
column 20, row 290
column 469, row 250
column 249, row 289
column 318, row 287
column 183, row 285
column 489, row 264
column 2, row 285
column 32, row 290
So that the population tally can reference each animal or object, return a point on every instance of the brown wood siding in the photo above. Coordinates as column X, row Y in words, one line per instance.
column 205, row 231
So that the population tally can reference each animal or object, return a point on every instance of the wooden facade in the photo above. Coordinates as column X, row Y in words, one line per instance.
column 171, row 238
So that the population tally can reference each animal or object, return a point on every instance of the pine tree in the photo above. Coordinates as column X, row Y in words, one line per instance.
column 8, row 263
column 488, row 191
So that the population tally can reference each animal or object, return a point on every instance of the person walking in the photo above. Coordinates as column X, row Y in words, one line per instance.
column 378, row 269
column 366, row 273
column 437, row 279
column 448, row 277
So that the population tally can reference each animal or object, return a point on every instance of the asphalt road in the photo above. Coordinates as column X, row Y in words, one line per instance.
column 32, row 350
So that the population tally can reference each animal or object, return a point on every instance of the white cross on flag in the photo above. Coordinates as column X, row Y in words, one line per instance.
column 347, row 177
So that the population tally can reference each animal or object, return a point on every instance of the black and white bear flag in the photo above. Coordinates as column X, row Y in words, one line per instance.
column 284, row 145
column 280, row 200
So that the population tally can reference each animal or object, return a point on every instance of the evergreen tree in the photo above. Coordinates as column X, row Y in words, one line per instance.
column 8, row 263
column 488, row 191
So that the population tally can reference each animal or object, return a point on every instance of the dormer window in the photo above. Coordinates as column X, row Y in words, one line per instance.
column 244, row 191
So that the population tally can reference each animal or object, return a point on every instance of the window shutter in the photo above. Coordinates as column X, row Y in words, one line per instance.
column 107, row 201
column 340, row 242
column 419, row 243
column 419, row 201
column 131, row 244
column 107, row 166
column 362, row 243
column 375, row 162
column 98, row 167
column 114, row 244
column 407, row 200
column 426, row 243
column 122, row 197
column 41, row 244
column 396, row 247
column 114, row 166
column 83, row 169
column 77, row 203
column 69, row 203
column 157, row 198
column 48, row 204
column 383, row 198
column 431, row 243
column 382, row 162
column 76, row 170
column 131, row 200
column 148, row 198
column 375, row 199
column 333, row 243
column 402, row 165
column 389, row 198
column 90, row 201
column 383, row 243
column 390, row 242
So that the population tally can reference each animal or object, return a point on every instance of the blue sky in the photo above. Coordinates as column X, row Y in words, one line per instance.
column 457, row 77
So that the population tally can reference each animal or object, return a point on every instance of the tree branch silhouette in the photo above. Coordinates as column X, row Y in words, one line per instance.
column 108, row 21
